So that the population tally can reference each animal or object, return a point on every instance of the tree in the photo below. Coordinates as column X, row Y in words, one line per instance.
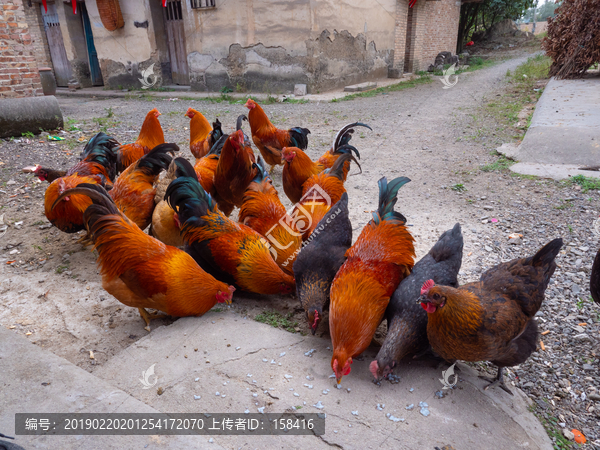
column 481, row 16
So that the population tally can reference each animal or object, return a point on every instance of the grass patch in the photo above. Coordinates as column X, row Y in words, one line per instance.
column 62, row 268
column 500, row 165
column 586, row 183
column 277, row 320
column 459, row 187
column 550, row 424
column 300, row 101
column 422, row 79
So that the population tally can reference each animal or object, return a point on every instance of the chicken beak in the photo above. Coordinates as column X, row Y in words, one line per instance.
column 423, row 299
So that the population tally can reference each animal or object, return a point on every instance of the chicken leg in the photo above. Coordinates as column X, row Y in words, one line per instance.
column 498, row 381
column 149, row 316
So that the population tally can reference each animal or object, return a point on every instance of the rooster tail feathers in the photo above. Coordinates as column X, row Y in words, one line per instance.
column 337, row 170
column 299, row 137
column 262, row 172
column 345, row 134
column 388, row 196
column 100, row 149
column 184, row 168
column 347, row 148
column 546, row 255
column 218, row 145
column 239, row 122
column 216, row 132
column 158, row 158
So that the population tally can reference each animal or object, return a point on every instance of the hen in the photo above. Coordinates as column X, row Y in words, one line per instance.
column 230, row 251
column 319, row 192
column 202, row 135
column 262, row 211
column 150, row 136
column 97, row 166
column 320, row 259
column 406, row 320
column 380, row 258
column 492, row 319
column 142, row 272
column 133, row 192
column 235, row 170
column 271, row 140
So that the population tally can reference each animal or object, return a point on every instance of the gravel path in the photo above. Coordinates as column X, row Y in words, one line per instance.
column 427, row 133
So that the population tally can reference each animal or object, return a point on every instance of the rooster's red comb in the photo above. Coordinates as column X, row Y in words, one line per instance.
column 426, row 286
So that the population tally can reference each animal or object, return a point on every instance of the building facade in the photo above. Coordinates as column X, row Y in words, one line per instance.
column 243, row 45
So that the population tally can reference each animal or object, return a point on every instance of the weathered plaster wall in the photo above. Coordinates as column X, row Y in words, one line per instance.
column 322, row 43
column 124, row 53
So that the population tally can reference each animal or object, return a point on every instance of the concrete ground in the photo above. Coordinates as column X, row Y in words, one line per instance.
column 565, row 131
column 222, row 351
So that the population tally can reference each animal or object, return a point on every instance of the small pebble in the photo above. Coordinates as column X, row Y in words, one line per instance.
column 196, row 379
column 319, row 405
column 355, row 413
column 261, row 410
column 217, row 394
column 410, row 407
column 282, row 354
column 197, row 397
column 380, row 406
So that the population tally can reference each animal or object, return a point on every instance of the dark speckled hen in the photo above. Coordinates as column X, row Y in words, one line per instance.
column 406, row 320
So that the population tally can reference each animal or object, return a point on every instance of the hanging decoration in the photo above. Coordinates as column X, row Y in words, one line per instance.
column 45, row 3
column 110, row 14
column 411, row 3
column 164, row 3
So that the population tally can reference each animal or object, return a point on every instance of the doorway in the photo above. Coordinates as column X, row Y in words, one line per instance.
column 174, row 28
column 409, row 46
column 95, row 72
column 58, row 54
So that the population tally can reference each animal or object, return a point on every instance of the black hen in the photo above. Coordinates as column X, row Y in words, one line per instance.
column 319, row 261
column 406, row 320
column 595, row 279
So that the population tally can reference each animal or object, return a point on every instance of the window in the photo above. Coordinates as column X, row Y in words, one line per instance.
column 202, row 4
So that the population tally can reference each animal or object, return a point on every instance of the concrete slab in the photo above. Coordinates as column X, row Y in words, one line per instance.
column 23, row 369
column 360, row 87
column 252, row 365
column 553, row 171
column 565, row 127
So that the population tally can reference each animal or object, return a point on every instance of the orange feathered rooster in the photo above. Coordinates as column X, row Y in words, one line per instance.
column 150, row 136
column 380, row 258
column 202, row 135
column 264, row 213
column 97, row 166
column 229, row 251
column 271, row 140
column 142, row 272
column 319, row 193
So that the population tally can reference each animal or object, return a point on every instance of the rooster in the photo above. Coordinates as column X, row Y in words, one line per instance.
column 97, row 166
column 142, row 272
column 380, row 258
column 229, row 251
column 262, row 211
column 406, row 320
column 491, row 319
column 319, row 192
column 202, row 135
column 298, row 168
column 271, row 140
column 150, row 136
column 133, row 192
column 320, row 259
column 342, row 138
column 235, row 171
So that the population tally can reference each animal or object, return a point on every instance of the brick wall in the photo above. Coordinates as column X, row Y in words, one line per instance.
column 19, row 76
column 39, row 42
column 434, row 28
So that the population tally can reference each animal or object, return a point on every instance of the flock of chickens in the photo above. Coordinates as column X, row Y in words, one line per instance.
column 271, row 251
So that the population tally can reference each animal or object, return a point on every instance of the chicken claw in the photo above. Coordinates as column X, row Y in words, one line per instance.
column 149, row 316
column 498, row 381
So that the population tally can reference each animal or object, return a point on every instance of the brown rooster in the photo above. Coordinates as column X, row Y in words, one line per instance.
column 202, row 135
column 228, row 250
column 342, row 138
column 492, row 319
column 380, row 258
column 235, row 170
column 97, row 166
column 150, row 136
column 142, row 272
column 264, row 213
column 271, row 140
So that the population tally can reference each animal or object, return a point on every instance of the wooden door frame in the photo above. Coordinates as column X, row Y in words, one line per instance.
column 182, row 77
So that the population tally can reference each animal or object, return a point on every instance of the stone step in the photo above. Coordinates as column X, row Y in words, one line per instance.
column 361, row 87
